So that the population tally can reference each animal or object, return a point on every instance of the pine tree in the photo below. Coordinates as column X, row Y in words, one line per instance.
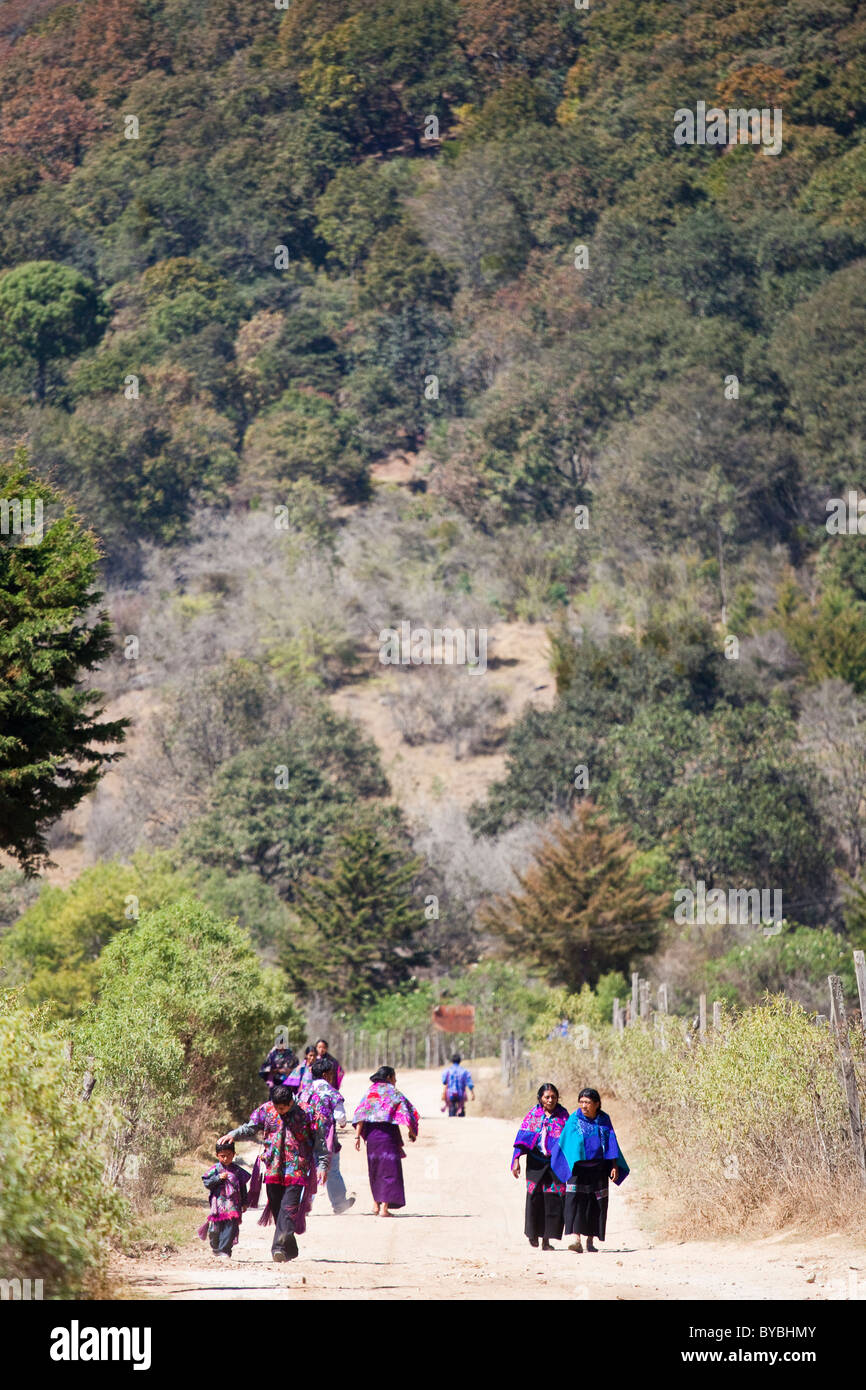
column 582, row 909
column 48, row 726
column 361, row 922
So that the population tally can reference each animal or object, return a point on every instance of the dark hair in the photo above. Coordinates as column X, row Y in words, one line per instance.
column 311, row 1047
column 321, row 1067
column 383, row 1074
column 324, row 1040
column 548, row 1086
column 281, row 1095
column 591, row 1093
column 226, row 1144
column 456, row 1058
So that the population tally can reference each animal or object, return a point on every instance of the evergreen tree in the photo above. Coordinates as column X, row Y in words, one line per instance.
column 48, row 726
column 361, row 922
column 583, row 908
column 47, row 310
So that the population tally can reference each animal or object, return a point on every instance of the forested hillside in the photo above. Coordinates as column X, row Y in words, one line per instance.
column 283, row 247
column 321, row 318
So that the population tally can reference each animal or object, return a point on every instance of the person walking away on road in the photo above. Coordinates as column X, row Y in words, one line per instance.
column 456, row 1081
column 322, row 1052
column 226, row 1182
column 545, row 1192
column 279, row 1062
column 377, row 1120
column 294, row 1158
column 302, row 1075
column 586, row 1157
column 322, row 1094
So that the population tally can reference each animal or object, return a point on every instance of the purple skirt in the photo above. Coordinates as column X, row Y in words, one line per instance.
column 383, row 1163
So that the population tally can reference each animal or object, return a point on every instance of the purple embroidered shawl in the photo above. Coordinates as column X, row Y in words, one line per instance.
column 384, row 1104
column 229, row 1200
column 529, row 1134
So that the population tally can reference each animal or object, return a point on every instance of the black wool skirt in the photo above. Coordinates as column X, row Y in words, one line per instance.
column 586, row 1198
column 544, row 1210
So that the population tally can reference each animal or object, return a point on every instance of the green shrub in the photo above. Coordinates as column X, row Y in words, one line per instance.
column 505, row 1001
column 56, row 1216
column 185, row 1014
column 53, row 949
column 143, row 1076
column 200, row 974
column 796, row 961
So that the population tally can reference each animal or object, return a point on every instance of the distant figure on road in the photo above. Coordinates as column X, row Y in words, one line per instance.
column 277, row 1065
column 378, row 1119
column 456, row 1081
column 322, row 1052
column 586, row 1157
column 302, row 1075
column 545, row 1192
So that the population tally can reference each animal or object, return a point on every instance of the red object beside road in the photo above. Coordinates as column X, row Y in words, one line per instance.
column 454, row 1018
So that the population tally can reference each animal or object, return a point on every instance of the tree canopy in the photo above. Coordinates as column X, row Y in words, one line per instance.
column 53, row 743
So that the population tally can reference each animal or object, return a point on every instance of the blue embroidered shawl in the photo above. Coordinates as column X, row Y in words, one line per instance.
column 587, row 1139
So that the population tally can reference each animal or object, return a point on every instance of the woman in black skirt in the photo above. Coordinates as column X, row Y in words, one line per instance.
column 538, row 1133
column 588, row 1152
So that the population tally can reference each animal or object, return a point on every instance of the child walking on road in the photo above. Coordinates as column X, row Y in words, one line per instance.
column 227, row 1184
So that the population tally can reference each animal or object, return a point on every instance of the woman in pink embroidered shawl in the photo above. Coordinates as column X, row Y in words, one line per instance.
column 377, row 1120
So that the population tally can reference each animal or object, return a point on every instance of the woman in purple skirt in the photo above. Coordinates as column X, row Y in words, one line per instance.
column 378, row 1119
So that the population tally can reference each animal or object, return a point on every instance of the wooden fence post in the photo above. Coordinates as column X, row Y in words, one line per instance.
column 846, row 1065
column 702, row 1015
column 717, row 1014
column 860, row 972
column 88, row 1081
column 426, row 1051
column 643, row 991
column 663, row 999
column 635, row 996
column 615, row 1019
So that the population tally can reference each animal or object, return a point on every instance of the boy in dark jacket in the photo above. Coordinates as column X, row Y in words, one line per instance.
column 227, row 1184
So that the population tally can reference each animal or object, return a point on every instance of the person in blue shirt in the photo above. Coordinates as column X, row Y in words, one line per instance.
column 456, row 1081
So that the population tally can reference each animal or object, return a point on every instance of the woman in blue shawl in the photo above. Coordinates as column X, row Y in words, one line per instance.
column 586, row 1157
column 537, row 1136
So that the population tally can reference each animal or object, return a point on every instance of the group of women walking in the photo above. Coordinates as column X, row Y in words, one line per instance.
column 298, row 1128
column 570, row 1161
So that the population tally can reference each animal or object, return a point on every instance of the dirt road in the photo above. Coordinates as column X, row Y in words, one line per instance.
column 461, row 1236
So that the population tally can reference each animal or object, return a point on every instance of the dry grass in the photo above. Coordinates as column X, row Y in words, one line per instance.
column 748, row 1129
